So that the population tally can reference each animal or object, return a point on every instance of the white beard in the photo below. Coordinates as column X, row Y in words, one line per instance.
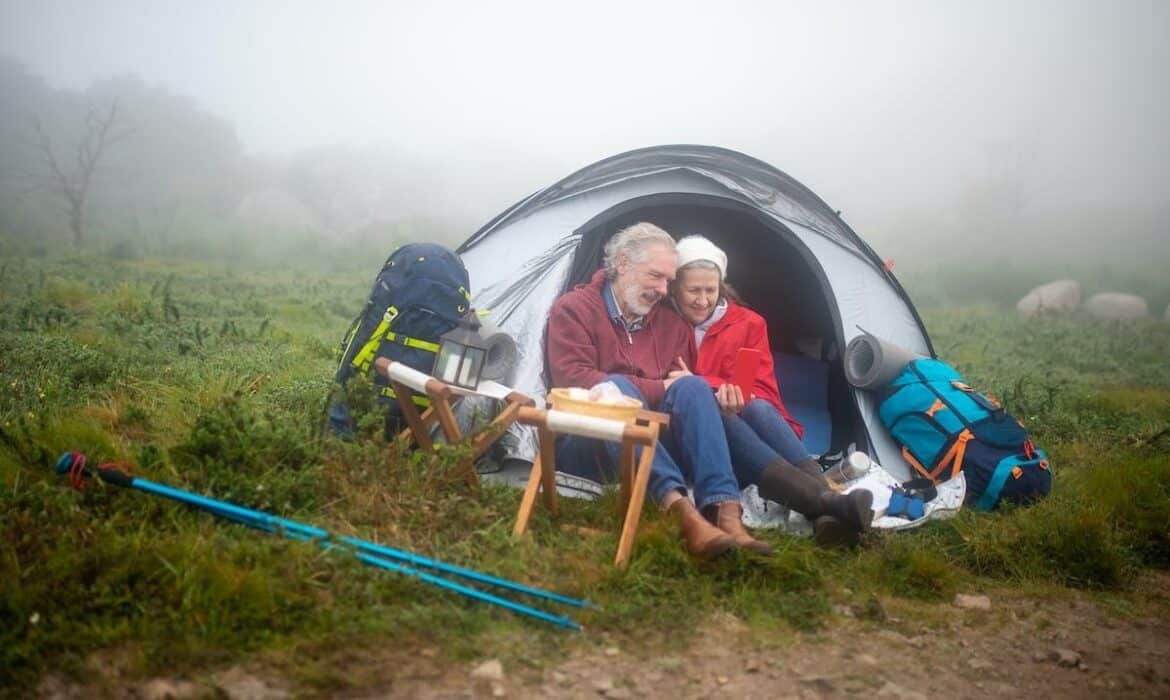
column 632, row 296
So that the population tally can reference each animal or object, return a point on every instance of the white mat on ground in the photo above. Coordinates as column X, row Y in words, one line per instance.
column 761, row 513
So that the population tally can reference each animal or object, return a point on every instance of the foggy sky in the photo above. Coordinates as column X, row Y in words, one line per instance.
column 887, row 110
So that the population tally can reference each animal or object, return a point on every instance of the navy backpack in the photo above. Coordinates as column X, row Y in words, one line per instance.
column 944, row 427
column 421, row 292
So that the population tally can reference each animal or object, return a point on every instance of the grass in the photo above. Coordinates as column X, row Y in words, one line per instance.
column 213, row 378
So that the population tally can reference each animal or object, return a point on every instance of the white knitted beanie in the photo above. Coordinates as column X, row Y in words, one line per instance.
column 694, row 248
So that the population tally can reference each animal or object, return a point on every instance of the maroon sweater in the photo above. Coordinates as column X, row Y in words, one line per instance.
column 584, row 344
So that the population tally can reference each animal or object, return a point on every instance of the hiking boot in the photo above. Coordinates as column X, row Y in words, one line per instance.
column 796, row 488
column 728, row 517
column 813, row 468
column 831, row 532
column 854, row 508
column 704, row 540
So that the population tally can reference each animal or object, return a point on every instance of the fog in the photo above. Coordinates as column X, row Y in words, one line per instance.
column 924, row 122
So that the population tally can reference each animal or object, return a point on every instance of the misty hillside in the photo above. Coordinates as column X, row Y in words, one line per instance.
column 941, row 133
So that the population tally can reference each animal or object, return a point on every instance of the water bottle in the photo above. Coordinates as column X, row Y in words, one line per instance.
column 853, row 467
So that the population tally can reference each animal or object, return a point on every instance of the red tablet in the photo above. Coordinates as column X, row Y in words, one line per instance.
column 747, row 363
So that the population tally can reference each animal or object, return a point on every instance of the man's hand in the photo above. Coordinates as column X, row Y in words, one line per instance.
column 675, row 374
column 729, row 398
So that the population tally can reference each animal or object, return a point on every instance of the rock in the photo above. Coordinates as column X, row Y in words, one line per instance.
column 843, row 610
column 980, row 664
column 238, row 684
column 855, row 686
column 972, row 602
column 868, row 659
column 55, row 687
column 603, row 685
column 1055, row 297
column 491, row 670
column 892, row 636
column 1116, row 306
column 162, row 689
column 917, row 641
column 897, row 692
column 619, row 694
column 875, row 610
column 1064, row 657
column 560, row 678
column 498, row 690
column 822, row 684
column 612, row 651
column 722, row 680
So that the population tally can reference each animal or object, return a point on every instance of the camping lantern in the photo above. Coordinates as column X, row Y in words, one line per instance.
column 461, row 357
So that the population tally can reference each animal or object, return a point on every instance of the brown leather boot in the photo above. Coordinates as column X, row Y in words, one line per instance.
column 728, row 517
column 704, row 540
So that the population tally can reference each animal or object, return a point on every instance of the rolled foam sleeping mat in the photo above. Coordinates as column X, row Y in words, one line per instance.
column 502, row 353
column 871, row 363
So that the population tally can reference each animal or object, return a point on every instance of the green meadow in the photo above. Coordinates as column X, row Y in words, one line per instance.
column 212, row 377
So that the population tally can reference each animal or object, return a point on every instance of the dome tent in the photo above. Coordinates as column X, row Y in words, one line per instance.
column 791, row 258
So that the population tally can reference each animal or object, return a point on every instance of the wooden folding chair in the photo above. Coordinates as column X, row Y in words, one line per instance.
column 404, row 380
column 634, row 477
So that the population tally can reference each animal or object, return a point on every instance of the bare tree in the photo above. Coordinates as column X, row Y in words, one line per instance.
column 72, row 184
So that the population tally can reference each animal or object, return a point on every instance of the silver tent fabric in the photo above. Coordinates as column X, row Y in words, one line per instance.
column 520, row 260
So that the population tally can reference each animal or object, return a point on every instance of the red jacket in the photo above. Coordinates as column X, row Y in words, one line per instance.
column 741, row 328
column 583, row 344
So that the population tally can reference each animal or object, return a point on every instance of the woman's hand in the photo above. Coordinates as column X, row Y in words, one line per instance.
column 729, row 398
column 675, row 374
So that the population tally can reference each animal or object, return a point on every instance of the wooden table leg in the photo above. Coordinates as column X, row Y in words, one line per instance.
column 529, row 498
column 548, row 472
column 627, row 466
column 406, row 435
column 441, row 403
column 636, row 499
column 421, row 434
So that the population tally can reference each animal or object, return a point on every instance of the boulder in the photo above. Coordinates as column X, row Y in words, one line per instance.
column 1117, row 306
column 1055, row 297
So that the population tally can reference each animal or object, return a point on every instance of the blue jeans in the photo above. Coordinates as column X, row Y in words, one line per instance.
column 756, row 437
column 693, row 447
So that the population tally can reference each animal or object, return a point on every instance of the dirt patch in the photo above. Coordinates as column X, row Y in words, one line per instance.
column 1074, row 646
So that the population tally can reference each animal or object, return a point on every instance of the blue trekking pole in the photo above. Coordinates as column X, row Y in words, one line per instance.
column 74, row 464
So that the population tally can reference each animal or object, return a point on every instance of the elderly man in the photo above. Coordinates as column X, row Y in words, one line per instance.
column 615, row 329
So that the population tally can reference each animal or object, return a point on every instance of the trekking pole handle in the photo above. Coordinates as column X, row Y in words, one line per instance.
column 73, row 464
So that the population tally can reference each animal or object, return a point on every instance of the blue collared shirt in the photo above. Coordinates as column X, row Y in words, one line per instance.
column 615, row 313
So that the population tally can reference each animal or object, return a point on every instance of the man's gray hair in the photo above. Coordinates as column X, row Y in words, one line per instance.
column 634, row 242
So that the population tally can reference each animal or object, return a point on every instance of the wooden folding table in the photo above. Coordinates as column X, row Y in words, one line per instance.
column 635, row 473
column 404, row 380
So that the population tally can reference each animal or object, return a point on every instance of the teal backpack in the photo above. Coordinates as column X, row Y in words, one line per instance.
column 944, row 427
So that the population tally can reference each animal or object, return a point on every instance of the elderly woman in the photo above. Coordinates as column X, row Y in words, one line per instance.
column 764, row 440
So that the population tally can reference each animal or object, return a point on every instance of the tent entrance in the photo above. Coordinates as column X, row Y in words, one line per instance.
column 774, row 273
